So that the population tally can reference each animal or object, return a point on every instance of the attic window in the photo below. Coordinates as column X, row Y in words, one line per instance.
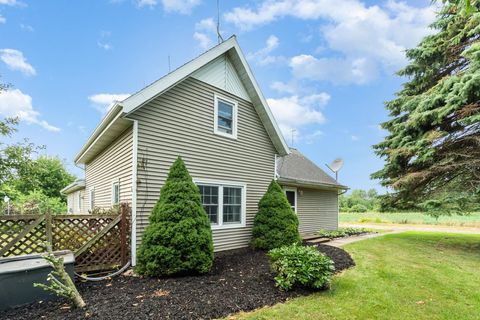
column 225, row 122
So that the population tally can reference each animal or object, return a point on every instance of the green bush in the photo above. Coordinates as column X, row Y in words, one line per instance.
column 358, row 208
column 342, row 232
column 300, row 265
column 36, row 202
column 275, row 223
column 178, row 239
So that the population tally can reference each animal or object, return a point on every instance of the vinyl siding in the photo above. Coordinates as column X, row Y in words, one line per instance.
column 73, row 204
column 115, row 162
column 317, row 209
column 180, row 122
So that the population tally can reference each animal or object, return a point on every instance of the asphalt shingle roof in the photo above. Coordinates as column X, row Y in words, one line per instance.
column 295, row 166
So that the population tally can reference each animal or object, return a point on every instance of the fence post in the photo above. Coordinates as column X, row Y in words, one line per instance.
column 48, row 228
column 123, row 232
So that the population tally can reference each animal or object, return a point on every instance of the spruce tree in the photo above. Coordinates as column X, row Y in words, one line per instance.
column 275, row 223
column 432, row 150
column 178, row 239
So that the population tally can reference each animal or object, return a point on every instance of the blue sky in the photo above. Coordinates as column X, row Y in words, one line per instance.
column 326, row 66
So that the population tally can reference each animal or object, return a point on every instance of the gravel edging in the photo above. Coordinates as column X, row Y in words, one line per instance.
column 240, row 280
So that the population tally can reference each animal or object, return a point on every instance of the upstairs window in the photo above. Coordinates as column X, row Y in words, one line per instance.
column 225, row 117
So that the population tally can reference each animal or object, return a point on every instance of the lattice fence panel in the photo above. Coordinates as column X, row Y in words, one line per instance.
column 31, row 242
column 99, row 241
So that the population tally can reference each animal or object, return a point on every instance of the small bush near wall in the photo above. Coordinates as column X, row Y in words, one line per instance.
column 342, row 232
column 275, row 224
column 299, row 265
column 178, row 239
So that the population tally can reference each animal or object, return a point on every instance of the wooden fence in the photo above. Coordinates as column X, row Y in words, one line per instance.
column 98, row 241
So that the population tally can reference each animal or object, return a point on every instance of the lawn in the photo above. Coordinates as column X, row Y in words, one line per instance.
column 472, row 220
column 399, row 276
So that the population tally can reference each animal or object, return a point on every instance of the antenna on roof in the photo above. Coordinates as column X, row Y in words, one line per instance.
column 335, row 166
column 169, row 68
column 293, row 135
column 220, row 39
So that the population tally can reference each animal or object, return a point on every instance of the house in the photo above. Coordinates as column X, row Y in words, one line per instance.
column 212, row 113
column 75, row 193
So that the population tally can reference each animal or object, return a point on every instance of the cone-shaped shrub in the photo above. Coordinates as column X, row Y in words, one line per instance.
column 275, row 224
column 178, row 239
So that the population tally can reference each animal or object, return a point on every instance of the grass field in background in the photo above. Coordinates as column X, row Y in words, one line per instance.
column 472, row 220
column 410, row 275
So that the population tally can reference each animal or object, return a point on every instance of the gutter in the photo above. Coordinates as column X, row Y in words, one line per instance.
column 109, row 117
column 311, row 184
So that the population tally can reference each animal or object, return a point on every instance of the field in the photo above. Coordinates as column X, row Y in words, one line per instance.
column 472, row 220
column 410, row 275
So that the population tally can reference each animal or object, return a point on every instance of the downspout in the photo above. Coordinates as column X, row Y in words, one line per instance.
column 133, row 243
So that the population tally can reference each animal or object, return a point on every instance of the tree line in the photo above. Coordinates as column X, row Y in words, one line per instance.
column 30, row 181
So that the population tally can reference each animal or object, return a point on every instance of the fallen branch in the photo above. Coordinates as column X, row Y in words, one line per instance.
column 59, row 282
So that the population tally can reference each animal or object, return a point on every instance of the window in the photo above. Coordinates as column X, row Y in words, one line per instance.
column 210, row 202
column 225, row 121
column 115, row 192
column 291, row 194
column 91, row 198
column 224, row 203
column 79, row 199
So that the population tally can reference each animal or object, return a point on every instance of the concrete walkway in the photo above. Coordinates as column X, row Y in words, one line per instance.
column 412, row 227
column 343, row 241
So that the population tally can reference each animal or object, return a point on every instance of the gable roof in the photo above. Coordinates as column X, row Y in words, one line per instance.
column 113, row 120
column 297, row 169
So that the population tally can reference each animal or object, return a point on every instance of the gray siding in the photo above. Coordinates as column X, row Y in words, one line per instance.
column 180, row 122
column 317, row 209
column 115, row 162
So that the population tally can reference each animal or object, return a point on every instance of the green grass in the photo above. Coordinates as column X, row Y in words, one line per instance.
column 411, row 275
column 472, row 220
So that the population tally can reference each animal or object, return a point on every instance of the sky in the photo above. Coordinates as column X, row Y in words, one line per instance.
column 326, row 67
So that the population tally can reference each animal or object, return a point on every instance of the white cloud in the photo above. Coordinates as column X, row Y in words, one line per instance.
column 339, row 71
column 262, row 56
column 26, row 27
column 354, row 137
column 283, row 87
column 312, row 137
column 9, row 2
column 294, row 112
column 15, row 103
column 205, row 33
column 104, row 45
column 15, row 60
column 2, row 19
column 204, row 41
column 180, row 6
column 146, row 3
column 369, row 39
column 104, row 101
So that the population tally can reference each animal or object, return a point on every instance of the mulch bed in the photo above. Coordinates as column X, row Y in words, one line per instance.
column 240, row 281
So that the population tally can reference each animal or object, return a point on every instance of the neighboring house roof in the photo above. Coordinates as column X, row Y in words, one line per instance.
column 76, row 185
column 297, row 169
column 114, row 122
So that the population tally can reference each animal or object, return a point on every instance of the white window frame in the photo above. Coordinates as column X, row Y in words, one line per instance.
column 91, row 200
column 233, row 135
column 115, row 182
column 221, row 184
column 79, row 201
column 294, row 189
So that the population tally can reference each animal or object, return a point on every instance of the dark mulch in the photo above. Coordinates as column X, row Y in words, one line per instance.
column 240, row 281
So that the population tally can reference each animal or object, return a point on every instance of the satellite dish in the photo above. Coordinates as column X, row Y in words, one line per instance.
column 335, row 166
